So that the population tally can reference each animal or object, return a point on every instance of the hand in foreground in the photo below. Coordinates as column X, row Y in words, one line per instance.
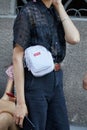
column 20, row 112
column 7, row 106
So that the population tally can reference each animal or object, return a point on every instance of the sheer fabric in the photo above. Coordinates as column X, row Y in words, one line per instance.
column 37, row 24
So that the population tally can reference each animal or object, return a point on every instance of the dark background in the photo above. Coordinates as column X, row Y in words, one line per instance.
column 76, row 4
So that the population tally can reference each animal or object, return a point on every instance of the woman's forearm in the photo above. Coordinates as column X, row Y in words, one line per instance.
column 21, row 108
column 19, row 77
column 72, row 35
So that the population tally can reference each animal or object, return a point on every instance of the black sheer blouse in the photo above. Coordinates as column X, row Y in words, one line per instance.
column 37, row 24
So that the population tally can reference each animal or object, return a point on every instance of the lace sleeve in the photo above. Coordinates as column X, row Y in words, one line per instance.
column 21, row 29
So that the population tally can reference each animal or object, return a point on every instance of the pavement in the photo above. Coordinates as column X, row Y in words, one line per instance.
column 77, row 128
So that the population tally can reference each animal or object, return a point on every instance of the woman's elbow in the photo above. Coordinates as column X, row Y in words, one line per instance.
column 17, row 56
column 73, row 39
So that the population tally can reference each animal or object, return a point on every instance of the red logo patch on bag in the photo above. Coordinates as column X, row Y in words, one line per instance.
column 37, row 53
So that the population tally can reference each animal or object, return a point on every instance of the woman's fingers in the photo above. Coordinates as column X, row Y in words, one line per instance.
column 21, row 121
column 20, row 113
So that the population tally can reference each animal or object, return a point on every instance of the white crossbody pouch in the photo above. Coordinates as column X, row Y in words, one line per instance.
column 38, row 60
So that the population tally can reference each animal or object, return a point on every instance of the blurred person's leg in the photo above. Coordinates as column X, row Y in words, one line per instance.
column 5, row 121
column 6, row 115
column 7, row 106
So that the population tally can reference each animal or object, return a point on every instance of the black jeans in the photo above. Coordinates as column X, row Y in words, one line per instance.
column 45, row 101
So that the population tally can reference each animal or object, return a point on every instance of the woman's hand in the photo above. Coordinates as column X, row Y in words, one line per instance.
column 20, row 112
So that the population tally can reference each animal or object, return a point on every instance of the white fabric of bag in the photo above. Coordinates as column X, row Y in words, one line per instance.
column 38, row 60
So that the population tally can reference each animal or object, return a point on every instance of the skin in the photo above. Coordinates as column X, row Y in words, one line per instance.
column 85, row 82
column 18, row 52
column 5, row 99
column 8, row 89
column 7, row 104
column 7, row 122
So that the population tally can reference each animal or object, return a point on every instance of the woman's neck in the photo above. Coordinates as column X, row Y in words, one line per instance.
column 47, row 3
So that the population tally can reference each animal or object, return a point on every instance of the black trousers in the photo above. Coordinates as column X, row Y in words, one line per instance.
column 45, row 101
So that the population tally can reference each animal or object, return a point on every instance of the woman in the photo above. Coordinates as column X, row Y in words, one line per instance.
column 46, row 23
column 7, row 104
